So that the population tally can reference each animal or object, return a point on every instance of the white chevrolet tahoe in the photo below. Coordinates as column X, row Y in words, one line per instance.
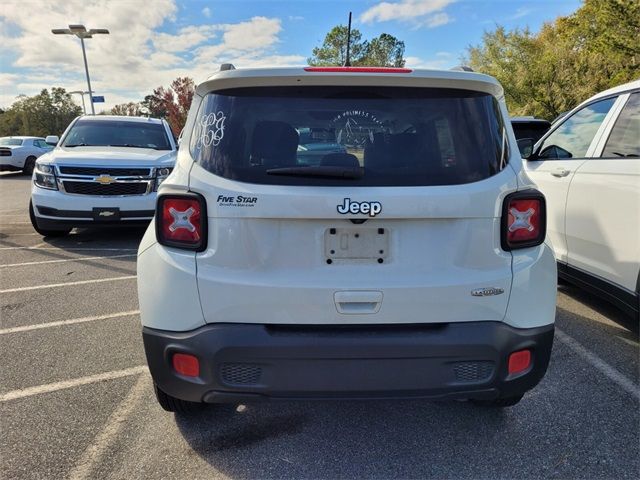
column 104, row 171
column 411, row 262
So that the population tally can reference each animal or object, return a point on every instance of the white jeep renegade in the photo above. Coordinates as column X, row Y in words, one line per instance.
column 405, row 257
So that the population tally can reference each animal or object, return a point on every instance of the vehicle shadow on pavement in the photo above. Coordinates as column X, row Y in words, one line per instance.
column 602, row 307
column 120, row 237
column 99, row 243
column 355, row 439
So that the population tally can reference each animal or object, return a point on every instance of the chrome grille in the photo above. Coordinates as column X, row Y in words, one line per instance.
column 119, row 181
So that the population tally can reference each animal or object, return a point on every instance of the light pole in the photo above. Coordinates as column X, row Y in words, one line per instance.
column 82, row 94
column 81, row 32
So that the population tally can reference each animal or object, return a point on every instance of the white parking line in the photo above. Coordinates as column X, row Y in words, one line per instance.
column 73, row 321
column 67, row 284
column 76, row 382
column 610, row 372
column 94, row 453
column 77, row 259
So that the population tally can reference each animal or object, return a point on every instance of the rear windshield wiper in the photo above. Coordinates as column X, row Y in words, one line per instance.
column 319, row 171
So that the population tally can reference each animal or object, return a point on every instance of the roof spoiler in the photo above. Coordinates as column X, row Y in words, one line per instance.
column 462, row 68
column 226, row 67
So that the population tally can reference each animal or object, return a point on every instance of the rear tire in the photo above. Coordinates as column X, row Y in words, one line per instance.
column 45, row 232
column 172, row 404
column 29, row 165
column 500, row 402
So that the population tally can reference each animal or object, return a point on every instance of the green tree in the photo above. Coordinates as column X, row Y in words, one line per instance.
column 385, row 51
column 333, row 51
column 569, row 60
column 382, row 51
column 130, row 109
column 47, row 113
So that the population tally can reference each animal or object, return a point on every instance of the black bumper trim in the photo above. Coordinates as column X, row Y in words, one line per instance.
column 51, row 224
column 9, row 168
column 394, row 361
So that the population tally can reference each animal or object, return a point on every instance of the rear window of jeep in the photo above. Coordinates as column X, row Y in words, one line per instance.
column 357, row 136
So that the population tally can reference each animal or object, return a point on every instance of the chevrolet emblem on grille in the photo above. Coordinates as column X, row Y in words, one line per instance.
column 105, row 179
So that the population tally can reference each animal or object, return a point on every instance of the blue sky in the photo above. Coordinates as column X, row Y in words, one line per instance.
column 154, row 41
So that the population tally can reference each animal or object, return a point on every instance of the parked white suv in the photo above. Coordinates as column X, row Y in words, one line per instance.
column 104, row 171
column 412, row 264
column 588, row 167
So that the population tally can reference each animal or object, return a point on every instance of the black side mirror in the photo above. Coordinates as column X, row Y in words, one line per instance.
column 525, row 145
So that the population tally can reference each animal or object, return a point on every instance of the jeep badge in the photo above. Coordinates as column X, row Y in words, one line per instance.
column 370, row 208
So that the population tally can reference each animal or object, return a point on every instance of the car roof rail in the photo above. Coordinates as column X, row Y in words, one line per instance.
column 462, row 68
column 227, row 66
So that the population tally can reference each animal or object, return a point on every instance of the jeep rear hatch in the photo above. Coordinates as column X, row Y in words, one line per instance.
column 398, row 221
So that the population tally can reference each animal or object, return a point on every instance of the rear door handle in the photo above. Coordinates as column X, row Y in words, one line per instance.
column 560, row 172
column 358, row 301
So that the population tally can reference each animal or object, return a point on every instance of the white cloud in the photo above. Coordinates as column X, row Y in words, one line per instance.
column 135, row 58
column 253, row 37
column 442, row 61
column 206, row 11
column 186, row 38
column 521, row 12
column 438, row 19
column 427, row 13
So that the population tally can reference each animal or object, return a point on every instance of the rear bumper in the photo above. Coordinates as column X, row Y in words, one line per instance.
column 249, row 362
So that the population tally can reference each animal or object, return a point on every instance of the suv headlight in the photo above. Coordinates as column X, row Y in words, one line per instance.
column 44, row 176
column 161, row 175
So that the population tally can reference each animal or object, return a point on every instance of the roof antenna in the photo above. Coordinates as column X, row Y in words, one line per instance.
column 347, row 62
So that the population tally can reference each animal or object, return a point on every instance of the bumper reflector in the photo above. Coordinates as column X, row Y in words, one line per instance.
column 519, row 361
column 186, row 364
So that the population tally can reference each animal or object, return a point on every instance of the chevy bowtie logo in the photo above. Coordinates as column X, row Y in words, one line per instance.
column 105, row 179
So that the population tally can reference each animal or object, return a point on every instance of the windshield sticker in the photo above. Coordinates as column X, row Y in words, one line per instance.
column 212, row 129
column 356, row 127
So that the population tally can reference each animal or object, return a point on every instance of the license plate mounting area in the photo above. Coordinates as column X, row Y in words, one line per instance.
column 369, row 244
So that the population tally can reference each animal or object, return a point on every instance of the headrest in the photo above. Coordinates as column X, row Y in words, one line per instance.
column 274, row 144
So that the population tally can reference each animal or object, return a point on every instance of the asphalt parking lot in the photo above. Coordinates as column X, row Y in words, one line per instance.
column 76, row 399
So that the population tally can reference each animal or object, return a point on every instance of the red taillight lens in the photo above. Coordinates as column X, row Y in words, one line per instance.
column 358, row 69
column 181, row 221
column 185, row 364
column 519, row 361
column 523, row 220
